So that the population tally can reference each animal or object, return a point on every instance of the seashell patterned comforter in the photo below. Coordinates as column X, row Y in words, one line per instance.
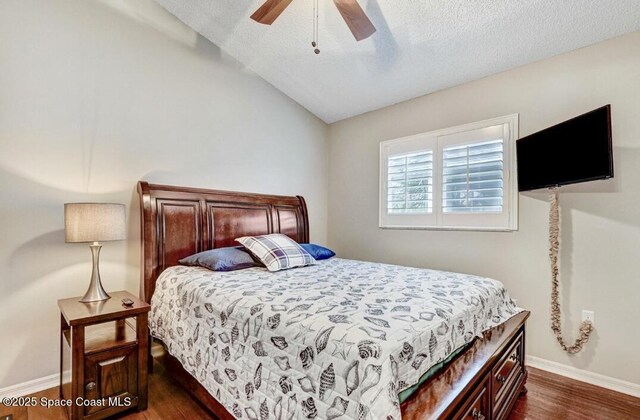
column 339, row 339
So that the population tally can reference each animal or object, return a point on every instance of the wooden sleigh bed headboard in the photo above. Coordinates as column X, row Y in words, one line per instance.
column 178, row 221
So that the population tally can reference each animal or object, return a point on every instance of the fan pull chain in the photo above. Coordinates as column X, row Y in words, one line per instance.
column 554, row 245
column 315, row 43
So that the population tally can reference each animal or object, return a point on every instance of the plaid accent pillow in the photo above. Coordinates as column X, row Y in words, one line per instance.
column 277, row 251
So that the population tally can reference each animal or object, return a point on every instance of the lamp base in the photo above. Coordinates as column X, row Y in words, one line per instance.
column 95, row 292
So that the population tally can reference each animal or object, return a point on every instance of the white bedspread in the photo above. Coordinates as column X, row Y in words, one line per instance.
column 337, row 339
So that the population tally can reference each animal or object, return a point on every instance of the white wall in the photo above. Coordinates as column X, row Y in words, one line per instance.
column 96, row 95
column 600, row 255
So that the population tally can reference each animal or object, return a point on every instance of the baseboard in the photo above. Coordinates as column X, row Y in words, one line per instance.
column 597, row 379
column 29, row 387
column 629, row 388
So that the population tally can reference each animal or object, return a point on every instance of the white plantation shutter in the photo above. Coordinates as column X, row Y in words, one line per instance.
column 410, row 183
column 407, row 169
column 472, row 177
column 456, row 178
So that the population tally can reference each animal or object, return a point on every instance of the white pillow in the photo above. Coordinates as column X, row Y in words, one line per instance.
column 277, row 251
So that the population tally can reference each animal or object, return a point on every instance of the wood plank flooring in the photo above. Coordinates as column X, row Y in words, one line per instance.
column 553, row 396
column 550, row 397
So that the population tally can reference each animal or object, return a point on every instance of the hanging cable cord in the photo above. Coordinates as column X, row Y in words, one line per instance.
column 554, row 245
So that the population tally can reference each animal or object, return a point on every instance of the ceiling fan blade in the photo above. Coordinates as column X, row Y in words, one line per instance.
column 356, row 18
column 269, row 11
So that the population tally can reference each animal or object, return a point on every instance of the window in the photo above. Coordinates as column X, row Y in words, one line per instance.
column 457, row 178
column 409, row 183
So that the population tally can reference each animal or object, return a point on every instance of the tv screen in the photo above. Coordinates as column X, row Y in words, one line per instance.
column 576, row 150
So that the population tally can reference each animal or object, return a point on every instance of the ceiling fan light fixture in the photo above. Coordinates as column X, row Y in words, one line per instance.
column 316, row 19
column 353, row 15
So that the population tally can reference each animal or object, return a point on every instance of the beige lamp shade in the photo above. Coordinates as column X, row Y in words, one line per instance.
column 94, row 222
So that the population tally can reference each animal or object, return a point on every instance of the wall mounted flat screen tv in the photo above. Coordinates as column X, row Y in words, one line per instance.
column 576, row 150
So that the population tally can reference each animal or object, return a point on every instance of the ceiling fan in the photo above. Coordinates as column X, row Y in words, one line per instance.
column 351, row 12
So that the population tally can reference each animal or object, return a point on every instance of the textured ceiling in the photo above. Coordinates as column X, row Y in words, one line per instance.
column 421, row 46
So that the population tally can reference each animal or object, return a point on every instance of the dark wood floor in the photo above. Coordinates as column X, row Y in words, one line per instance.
column 550, row 397
column 557, row 397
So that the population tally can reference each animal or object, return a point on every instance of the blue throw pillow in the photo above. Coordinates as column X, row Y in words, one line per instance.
column 318, row 252
column 221, row 259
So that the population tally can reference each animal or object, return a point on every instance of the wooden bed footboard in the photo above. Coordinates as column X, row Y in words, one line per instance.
column 481, row 383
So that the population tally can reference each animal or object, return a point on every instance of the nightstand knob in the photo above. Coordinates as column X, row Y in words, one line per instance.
column 90, row 386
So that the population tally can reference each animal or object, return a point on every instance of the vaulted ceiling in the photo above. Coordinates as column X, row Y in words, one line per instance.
column 420, row 46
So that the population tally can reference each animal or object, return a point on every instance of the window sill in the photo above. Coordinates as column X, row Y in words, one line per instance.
column 452, row 228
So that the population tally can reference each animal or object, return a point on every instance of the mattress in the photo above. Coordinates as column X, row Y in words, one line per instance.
column 341, row 338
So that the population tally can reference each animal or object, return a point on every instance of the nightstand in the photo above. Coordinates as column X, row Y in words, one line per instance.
column 103, row 356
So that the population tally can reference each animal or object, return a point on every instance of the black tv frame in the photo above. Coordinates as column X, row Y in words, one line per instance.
column 578, row 180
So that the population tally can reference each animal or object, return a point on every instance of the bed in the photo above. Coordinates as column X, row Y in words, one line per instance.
column 339, row 339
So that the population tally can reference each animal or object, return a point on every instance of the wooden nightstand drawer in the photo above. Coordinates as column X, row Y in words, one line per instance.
column 111, row 379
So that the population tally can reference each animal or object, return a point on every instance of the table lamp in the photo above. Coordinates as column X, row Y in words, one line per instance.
column 94, row 223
